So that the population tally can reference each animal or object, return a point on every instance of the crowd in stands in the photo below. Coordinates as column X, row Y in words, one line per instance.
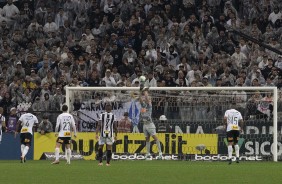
column 46, row 45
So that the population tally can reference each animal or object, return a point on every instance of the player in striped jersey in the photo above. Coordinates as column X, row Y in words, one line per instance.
column 232, row 119
column 27, row 121
column 107, row 126
column 145, row 117
column 66, row 124
column 2, row 123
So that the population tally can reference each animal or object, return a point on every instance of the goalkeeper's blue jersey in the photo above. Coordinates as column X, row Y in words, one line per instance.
column 145, row 113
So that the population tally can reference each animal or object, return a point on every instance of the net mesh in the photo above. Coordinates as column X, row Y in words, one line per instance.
column 187, row 112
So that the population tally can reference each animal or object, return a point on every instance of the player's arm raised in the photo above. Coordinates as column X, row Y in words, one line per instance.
column 147, row 97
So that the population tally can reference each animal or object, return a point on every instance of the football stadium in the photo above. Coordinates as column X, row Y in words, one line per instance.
column 140, row 91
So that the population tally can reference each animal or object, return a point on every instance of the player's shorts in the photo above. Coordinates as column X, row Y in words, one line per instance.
column 26, row 138
column 106, row 140
column 149, row 129
column 65, row 140
column 233, row 136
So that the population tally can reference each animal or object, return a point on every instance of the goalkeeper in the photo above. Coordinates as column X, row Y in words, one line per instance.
column 145, row 117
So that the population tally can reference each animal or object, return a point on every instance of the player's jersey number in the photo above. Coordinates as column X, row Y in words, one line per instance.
column 25, row 127
column 234, row 122
column 66, row 128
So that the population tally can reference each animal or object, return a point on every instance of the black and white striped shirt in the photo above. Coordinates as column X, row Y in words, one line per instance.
column 107, row 120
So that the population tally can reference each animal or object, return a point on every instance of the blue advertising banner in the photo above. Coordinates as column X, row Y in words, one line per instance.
column 10, row 148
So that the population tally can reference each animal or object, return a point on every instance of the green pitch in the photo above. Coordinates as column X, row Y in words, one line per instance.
column 143, row 172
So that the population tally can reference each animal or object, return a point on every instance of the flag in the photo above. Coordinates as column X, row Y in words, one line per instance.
column 133, row 112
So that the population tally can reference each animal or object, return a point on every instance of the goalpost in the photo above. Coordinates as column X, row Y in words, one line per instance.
column 185, row 109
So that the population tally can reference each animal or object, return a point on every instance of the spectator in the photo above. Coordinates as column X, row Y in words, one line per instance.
column 50, row 26
column 49, row 78
column 108, row 79
column 124, row 124
column 61, row 17
column 3, row 88
column 10, row 12
column 239, row 58
column 45, row 126
column 278, row 63
column 12, row 120
column 274, row 16
column 130, row 55
column 162, row 125
column 181, row 81
column 115, row 74
column 19, row 71
column 205, row 82
column 269, row 82
column 58, row 99
column 151, row 81
column 27, row 84
column 156, row 38
column 279, row 83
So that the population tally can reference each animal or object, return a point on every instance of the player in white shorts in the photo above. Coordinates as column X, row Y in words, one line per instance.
column 145, row 117
column 232, row 119
column 107, row 126
column 66, row 124
column 27, row 121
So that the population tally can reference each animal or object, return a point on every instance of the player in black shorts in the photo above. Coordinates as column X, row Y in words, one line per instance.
column 232, row 119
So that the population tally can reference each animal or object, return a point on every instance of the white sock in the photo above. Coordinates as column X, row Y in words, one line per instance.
column 230, row 150
column 68, row 155
column 148, row 147
column 159, row 147
column 26, row 148
column 237, row 150
column 57, row 153
column 22, row 148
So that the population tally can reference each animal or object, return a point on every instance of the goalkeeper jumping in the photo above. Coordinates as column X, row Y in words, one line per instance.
column 145, row 117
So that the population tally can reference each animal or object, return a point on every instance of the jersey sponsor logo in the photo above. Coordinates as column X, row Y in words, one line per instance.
column 26, row 140
column 235, row 127
column 67, row 133
column 24, row 130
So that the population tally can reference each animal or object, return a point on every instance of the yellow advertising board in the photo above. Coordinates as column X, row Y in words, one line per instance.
column 86, row 144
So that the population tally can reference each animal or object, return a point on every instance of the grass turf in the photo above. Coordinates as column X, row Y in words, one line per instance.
column 135, row 172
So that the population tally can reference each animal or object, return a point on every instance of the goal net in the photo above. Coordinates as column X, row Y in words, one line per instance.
column 189, row 120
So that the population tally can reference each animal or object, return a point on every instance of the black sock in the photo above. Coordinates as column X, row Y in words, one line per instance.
column 100, row 155
column 109, row 156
